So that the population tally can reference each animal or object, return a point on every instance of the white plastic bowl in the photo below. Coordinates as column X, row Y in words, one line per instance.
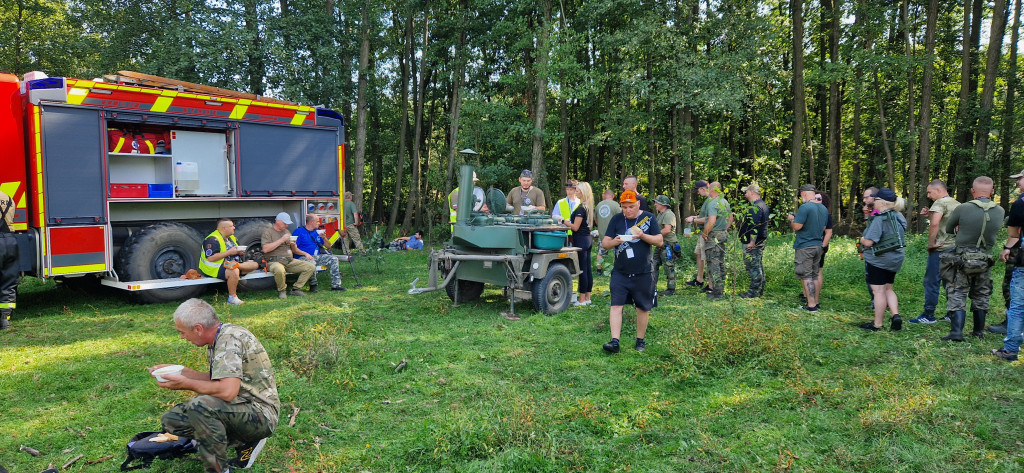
column 241, row 247
column 170, row 369
column 628, row 238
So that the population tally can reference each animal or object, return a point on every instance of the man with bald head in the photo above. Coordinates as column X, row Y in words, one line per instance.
column 966, row 270
column 629, row 184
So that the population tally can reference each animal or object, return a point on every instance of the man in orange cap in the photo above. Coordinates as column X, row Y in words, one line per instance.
column 632, row 233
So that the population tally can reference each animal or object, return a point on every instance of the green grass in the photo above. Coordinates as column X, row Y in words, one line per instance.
column 734, row 385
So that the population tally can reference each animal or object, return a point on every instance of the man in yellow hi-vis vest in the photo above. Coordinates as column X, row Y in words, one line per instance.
column 453, row 203
column 564, row 207
column 221, row 258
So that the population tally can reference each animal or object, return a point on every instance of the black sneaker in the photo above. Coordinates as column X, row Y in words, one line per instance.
column 339, row 288
column 640, row 345
column 869, row 326
column 694, row 282
column 1006, row 355
column 314, row 288
column 706, row 288
column 747, row 295
column 896, row 323
column 246, row 454
column 713, row 296
column 612, row 346
column 667, row 292
column 809, row 308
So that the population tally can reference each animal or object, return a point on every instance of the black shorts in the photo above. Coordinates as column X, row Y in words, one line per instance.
column 636, row 290
column 876, row 276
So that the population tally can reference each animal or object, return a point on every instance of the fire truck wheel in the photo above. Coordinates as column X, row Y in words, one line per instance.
column 468, row 290
column 248, row 233
column 161, row 251
column 551, row 294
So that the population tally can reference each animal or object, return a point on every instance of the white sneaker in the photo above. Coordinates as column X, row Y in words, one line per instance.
column 234, row 300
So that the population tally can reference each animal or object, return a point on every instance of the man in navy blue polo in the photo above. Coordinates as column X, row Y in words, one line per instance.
column 631, row 233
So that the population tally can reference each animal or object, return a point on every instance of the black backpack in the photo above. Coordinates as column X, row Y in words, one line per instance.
column 142, row 449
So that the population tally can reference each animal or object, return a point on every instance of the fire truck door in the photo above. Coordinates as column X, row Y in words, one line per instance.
column 73, row 176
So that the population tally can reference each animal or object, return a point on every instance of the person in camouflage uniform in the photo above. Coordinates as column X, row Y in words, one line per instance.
column 667, row 224
column 237, row 396
column 976, row 224
column 715, row 215
column 753, row 234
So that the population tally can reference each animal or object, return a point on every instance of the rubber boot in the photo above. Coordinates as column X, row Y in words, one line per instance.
column 1000, row 329
column 979, row 323
column 5, row 318
column 956, row 326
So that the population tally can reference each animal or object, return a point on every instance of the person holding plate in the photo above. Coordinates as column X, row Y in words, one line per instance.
column 237, row 402
column 631, row 233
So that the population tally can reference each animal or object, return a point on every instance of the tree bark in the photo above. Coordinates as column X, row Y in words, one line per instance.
column 924, row 146
column 835, row 131
column 456, row 104
column 962, row 154
column 1009, row 134
column 799, row 106
column 885, row 136
column 414, row 182
column 403, row 127
column 912, row 163
column 994, row 54
column 256, row 64
column 359, row 159
column 541, row 63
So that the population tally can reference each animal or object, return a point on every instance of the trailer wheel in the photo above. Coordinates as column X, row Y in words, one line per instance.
column 469, row 291
column 551, row 294
column 248, row 232
column 161, row 251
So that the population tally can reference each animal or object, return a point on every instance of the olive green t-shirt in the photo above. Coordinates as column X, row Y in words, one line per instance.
column 967, row 220
column 718, row 207
column 236, row 353
column 945, row 207
column 668, row 218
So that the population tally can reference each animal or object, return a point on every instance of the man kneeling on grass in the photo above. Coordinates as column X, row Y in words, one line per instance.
column 237, row 395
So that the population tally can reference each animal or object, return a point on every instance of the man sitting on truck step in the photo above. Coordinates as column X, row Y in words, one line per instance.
column 315, row 247
column 221, row 258
column 279, row 249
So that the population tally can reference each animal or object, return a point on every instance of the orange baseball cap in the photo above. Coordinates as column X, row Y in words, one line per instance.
column 627, row 197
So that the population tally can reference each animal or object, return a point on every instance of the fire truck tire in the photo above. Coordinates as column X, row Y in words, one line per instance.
column 161, row 251
column 469, row 291
column 248, row 232
column 551, row 294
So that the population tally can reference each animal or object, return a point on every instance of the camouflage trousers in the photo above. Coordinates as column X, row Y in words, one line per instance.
column 976, row 287
column 217, row 424
column 755, row 268
column 661, row 259
column 714, row 251
column 331, row 262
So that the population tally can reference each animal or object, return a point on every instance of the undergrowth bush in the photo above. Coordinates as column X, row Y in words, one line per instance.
column 704, row 343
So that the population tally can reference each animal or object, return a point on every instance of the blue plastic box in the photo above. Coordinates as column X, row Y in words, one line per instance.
column 549, row 240
column 161, row 191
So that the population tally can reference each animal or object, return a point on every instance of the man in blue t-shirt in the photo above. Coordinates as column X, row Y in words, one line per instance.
column 414, row 242
column 631, row 233
column 809, row 225
column 310, row 241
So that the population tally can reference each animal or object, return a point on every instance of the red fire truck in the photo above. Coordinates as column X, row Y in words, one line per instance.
column 120, row 179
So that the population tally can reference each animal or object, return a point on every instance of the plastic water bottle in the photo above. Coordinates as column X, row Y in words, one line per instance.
column 668, row 252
